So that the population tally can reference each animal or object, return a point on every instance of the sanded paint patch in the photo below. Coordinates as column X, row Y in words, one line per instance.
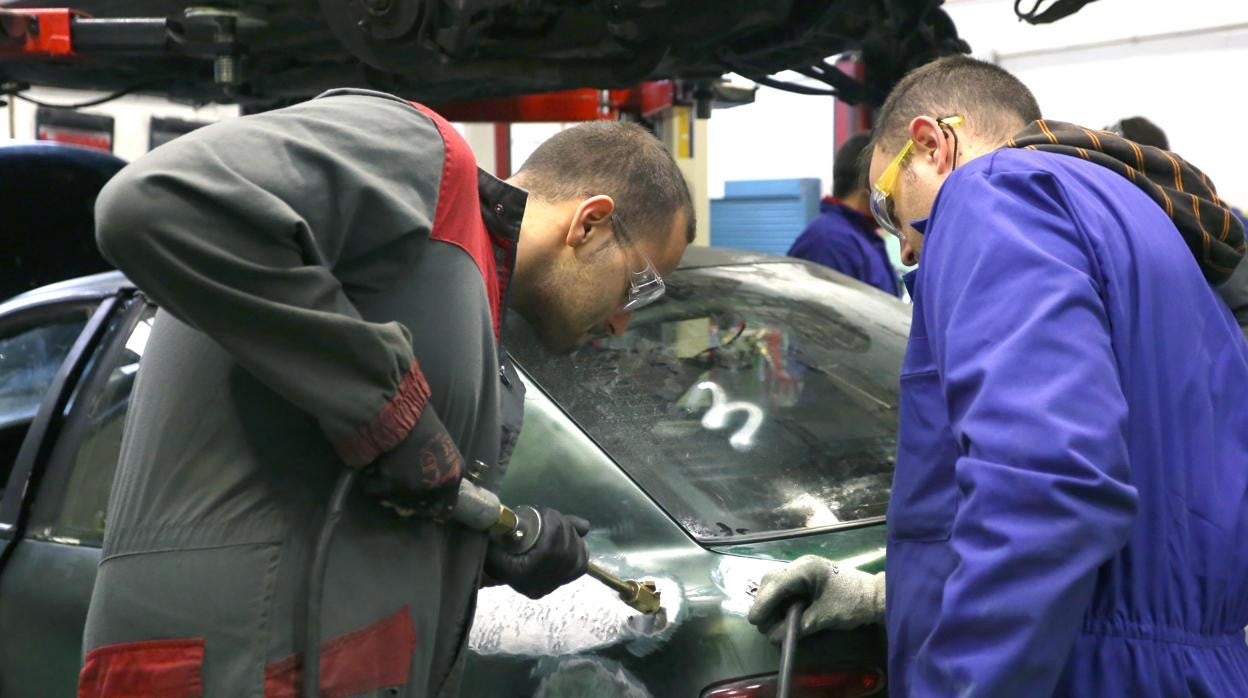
column 576, row 618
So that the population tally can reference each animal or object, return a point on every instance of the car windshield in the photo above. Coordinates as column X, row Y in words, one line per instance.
column 754, row 399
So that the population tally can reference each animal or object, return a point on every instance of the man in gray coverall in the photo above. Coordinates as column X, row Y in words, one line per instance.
column 333, row 279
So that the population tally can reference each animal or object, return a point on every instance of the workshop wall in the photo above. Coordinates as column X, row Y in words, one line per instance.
column 1179, row 63
column 781, row 135
column 131, row 116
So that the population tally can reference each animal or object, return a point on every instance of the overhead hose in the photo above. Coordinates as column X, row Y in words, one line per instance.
column 19, row 93
column 316, row 585
column 1060, row 9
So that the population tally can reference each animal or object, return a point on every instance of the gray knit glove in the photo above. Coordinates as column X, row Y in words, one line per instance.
column 836, row 598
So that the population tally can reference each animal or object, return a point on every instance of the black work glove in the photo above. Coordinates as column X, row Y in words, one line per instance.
column 558, row 557
column 419, row 476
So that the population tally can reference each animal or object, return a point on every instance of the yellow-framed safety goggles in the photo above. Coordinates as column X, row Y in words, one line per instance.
column 882, row 189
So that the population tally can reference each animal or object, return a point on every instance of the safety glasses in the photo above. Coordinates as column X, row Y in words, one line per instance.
column 645, row 286
column 882, row 189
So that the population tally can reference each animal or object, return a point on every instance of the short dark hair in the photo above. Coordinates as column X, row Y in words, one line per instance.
column 1142, row 131
column 620, row 159
column 996, row 104
column 847, row 177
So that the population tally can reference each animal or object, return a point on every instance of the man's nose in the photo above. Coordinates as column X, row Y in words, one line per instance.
column 617, row 324
column 908, row 255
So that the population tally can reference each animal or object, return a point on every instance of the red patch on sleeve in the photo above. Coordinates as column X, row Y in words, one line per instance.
column 165, row 668
column 371, row 658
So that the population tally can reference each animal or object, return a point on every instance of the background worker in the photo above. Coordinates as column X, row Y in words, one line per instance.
column 844, row 236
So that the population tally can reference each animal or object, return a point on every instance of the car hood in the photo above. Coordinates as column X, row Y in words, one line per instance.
column 47, row 194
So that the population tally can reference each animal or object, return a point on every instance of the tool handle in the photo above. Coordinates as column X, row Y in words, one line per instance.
column 609, row 579
column 479, row 509
column 518, row 530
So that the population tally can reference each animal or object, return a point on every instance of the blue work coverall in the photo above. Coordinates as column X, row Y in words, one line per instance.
column 1068, row 512
column 845, row 240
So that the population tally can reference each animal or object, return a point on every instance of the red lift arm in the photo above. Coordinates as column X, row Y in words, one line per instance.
column 37, row 32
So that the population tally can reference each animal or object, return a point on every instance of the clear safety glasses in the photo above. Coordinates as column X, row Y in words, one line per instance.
column 645, row 286
column 882, row 189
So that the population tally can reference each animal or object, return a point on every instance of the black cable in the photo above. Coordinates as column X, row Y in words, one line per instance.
column 842, row 82
column 1035, row 10
column 788, row 650
column 316, row 586
column 757, row 75
column 791, row 86
column 80, row 105
column 812, row 72
column 843, row 86
column 1058, row 9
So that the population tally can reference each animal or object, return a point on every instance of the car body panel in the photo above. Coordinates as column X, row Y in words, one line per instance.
column 44, row 593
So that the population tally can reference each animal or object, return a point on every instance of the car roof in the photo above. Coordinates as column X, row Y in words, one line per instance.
column 108, row 283
column 47, row 193
column 699, row 256
column 45, row 154
column 696, row 257
column 83, row 287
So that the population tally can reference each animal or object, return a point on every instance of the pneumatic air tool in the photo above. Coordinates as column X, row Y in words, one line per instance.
column 477, row 509
column 518, row 529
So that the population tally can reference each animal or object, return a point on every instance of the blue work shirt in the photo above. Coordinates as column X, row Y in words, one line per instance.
column 845, row 240
column 1068, row 511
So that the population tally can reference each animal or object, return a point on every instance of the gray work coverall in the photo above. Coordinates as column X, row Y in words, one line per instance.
column 327, row 273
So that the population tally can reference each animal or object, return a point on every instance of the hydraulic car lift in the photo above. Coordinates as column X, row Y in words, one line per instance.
column 220, row 35
column 65, row 33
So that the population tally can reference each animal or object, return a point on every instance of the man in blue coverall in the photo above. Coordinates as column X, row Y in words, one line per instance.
column 1068, row 510
column 843, row 236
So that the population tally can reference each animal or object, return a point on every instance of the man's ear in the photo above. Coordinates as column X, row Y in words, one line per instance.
column 931, row 144
column 588, row 224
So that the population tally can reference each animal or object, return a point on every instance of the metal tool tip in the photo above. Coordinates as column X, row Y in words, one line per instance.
column 648, row 623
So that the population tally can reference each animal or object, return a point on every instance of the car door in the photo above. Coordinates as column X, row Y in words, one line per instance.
column 54, row 507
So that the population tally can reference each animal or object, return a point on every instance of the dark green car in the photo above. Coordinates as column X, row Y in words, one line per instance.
column 748, row 418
